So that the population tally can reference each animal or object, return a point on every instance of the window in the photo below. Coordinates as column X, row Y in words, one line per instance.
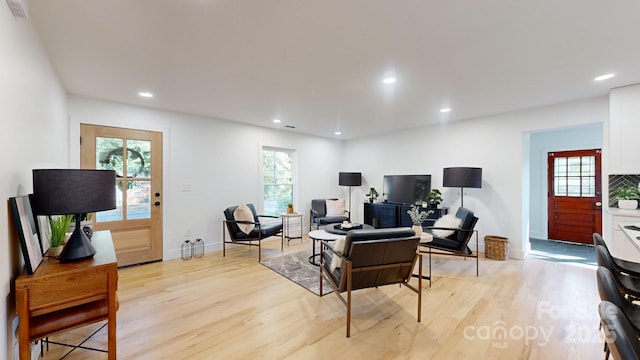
column 574, row 176
column 277, row 179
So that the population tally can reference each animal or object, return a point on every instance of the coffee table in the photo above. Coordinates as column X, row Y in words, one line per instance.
column 331, row 228
column 318, row 235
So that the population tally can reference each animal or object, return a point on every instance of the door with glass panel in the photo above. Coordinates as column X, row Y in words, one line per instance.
column 136, row 157
column 575, row 195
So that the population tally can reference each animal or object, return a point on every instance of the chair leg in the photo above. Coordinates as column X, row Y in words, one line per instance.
column 321, row 256
column 420, row 287
column 430, row 273
column 477, row 257
column 224, row 241
column 348, row 269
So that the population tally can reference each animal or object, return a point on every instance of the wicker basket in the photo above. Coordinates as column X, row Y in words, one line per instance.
column 496, row 247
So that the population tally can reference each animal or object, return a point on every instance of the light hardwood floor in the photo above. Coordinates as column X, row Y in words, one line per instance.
column 235, row 308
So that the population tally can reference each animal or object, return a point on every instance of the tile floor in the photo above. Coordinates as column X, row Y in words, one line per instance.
column 558, row 251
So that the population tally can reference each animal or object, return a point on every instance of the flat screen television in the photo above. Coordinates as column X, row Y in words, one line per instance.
column 406, row 189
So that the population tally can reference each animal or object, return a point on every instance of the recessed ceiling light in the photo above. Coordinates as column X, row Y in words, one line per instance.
column 145, row 94
column 277, row 121
column 389, row 80
column 337, row 133
column 445, row 110
column 604, row 77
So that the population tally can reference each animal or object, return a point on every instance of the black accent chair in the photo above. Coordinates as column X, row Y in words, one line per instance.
column 260, row 232
column 318, row 214
column 456, row 243
column 623, row 266
column 371, row 258
column 627, row 284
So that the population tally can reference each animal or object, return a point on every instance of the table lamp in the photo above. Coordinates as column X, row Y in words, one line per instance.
column 74, row 191
column 349, row 179
column 462, row 177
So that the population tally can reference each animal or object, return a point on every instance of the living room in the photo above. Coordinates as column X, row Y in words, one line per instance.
column 219, row 159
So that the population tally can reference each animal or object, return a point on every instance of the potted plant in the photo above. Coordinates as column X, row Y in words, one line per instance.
column 289, row 208
column 373, row 194
column 626, row 196
column 418, row 217
column 59, row 227
column 434, row 198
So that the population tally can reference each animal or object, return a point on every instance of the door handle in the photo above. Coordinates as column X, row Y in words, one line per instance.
column 157, row 203
column 598, row 203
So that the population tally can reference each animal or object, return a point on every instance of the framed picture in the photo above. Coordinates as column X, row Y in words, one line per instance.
column 27, row 229
column 44, row 230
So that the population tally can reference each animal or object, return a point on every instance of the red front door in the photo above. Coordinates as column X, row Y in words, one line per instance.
column 575, row 195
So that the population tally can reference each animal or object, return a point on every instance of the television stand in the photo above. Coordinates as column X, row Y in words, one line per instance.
column 391, row 215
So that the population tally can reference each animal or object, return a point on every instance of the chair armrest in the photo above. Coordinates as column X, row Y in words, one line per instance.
column 241, row 222
column 269, row 216
column 446, row 228
column 314, row 214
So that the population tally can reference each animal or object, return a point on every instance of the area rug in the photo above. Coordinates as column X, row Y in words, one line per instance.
column 296, row 267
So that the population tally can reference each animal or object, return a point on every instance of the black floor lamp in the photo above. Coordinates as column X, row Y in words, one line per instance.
column 462, row 177
column 350, row 179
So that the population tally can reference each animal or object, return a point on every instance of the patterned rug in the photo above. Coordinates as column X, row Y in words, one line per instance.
column 296, row 267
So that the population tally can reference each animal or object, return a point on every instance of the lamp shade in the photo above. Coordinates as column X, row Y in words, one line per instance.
column 468, row 177
column 73, row 191
column 350, row 179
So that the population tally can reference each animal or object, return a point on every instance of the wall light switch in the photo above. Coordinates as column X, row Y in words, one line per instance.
column 186, row 187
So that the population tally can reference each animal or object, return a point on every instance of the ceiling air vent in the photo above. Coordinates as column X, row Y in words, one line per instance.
column 19, row 8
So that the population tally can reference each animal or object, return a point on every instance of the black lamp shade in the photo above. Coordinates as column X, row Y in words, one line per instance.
column 350, row 179
column 73, row 191
column 467, row 177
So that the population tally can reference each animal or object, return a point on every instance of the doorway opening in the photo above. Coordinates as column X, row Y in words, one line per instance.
column 538, row 145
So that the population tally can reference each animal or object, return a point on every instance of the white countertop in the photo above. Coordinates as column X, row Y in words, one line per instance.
column 623, row 212
column 632, row 235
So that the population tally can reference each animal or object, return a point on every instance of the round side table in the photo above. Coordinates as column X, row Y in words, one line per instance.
column 318, row 235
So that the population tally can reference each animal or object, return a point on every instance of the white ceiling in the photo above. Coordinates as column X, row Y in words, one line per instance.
column 318, row 64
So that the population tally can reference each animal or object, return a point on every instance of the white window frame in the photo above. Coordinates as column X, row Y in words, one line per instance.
column 294, row 171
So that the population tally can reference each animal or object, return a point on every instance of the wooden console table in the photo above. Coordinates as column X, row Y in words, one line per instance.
column 62, row 296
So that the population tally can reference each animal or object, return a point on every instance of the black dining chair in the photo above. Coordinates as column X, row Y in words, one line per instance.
column 623, row 266
column 609, row 291
column 620, row 337
column 627, row 284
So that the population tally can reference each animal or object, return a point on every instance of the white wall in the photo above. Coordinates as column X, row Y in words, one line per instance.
column 623, row 130
column 494, row 143
column 219, row 159
column 543, row 142
column 33, row 134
